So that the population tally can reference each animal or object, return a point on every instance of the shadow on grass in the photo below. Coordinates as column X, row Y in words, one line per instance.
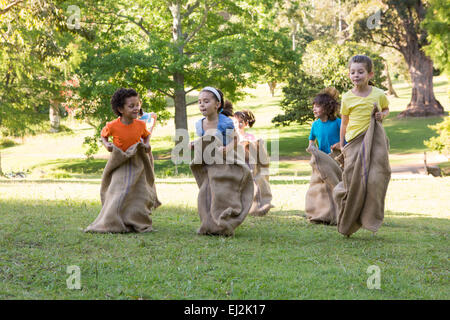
column 93, row 169
column 41, row 238
column 7, row 143
column 407, row 135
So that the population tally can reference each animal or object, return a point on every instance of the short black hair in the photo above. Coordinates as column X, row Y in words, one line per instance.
column 118, row 99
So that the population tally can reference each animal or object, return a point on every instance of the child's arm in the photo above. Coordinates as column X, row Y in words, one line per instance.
column 154, row 116
column 383, row 114
column 344, row 123
column 108, row 145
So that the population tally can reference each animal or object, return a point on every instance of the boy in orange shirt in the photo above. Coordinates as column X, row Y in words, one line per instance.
column 127, row 129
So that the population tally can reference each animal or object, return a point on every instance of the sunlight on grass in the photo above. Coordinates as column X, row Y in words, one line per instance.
column 280, row 256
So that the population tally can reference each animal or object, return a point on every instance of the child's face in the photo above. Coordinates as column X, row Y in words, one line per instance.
column 359, row 75
column 131, row 107
column 239, row 123
column 207, row 104
column 318, row 111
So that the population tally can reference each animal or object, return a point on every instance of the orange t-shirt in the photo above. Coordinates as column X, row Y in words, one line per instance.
column 125, row 135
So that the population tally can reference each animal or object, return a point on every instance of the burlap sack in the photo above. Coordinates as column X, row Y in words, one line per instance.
column 258, row 161
column 361, row 193
column 326, row 174
column 127, row 192
column 226, row 190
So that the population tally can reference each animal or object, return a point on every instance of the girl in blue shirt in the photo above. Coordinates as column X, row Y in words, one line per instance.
column 216, row 114
column 326, row 129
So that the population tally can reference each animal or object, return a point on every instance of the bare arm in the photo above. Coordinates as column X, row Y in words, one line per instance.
column 344, row 123
column 107, row 144
column 154, row 117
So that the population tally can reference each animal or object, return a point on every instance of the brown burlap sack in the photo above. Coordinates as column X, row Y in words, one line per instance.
column 326, row 174
column 361, row 193
column 258, row 161
column 225, row 190
column 127, row 192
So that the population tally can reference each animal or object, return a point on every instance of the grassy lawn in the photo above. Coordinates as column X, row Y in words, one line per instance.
column 280, row 256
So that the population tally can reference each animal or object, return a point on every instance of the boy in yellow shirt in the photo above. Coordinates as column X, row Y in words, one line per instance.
column 357, row 104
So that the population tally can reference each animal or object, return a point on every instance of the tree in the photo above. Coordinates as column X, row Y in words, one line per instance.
column 296, row 104
column 287, row 15
column 400, row 27
column 437, row 23
column 33, row 63
column 172, row 48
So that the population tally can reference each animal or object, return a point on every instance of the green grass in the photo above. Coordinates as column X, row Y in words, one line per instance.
column 407, row 135
column 280, row 256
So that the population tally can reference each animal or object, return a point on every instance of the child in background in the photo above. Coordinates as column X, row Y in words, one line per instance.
column 149, row 118
column 326, row 128
column 243, row 119
column 126, row 130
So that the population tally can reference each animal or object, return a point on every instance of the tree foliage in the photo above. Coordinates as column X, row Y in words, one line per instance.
column 440, row 143
column 34, row 56
column 437, row 23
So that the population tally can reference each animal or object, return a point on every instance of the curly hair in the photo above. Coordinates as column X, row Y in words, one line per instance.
column 118, row 99
column 247, row 116
column 328, row 100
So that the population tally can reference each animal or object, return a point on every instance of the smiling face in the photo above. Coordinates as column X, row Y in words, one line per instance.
column 130, row 109
column 359, row 75
column 318, row 111
column 208, row 104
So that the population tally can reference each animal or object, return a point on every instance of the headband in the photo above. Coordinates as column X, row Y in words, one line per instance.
column 213, row 90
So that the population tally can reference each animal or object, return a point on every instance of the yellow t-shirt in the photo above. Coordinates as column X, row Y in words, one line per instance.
column 359, row 109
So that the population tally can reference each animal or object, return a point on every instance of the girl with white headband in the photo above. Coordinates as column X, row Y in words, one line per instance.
column 216, row 113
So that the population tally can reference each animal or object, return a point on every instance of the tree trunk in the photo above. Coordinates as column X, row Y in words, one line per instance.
column 180, row 102
column 423, row 102
column 272, row 86
column 178, row 76
column 391, row 90
column 55, row 117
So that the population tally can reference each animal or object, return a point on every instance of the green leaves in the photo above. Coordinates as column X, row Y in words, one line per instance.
column 437, row 23
column 33, row 63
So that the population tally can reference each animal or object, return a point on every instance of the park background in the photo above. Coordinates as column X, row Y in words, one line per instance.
column 62, row 60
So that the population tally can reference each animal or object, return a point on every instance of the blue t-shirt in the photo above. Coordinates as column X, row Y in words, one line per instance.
column 224, row 131
column 327, row 133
